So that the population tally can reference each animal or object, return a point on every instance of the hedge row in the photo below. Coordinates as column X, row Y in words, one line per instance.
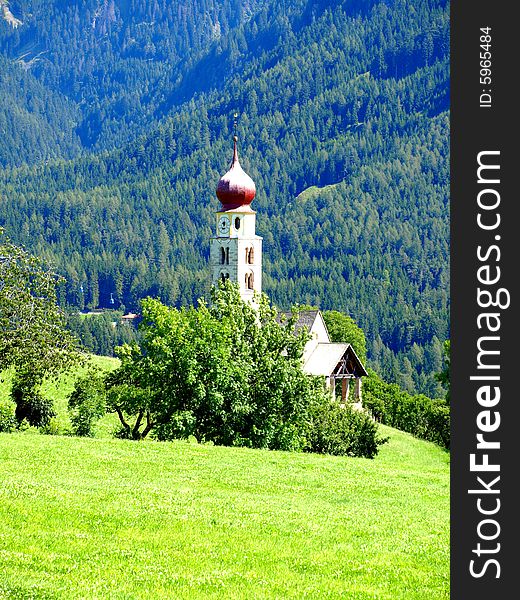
column 419, row 415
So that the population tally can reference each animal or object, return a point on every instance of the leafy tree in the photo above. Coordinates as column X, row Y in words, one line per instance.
column 342, row 328
column 32, row 333
column 222, row 372
column 87, row 403
column 33, row 339
column 342, row 430
column 444, row 376
column 31, row 405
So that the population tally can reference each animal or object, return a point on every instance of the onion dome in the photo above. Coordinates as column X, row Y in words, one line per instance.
column 235, row 188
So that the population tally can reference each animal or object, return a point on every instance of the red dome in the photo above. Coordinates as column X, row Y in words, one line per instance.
column 235, row 188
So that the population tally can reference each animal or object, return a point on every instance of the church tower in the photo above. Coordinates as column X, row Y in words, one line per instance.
column 235, row 249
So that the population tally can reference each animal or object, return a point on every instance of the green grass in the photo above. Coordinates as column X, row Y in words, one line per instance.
column 114, row 519
column 59, row 389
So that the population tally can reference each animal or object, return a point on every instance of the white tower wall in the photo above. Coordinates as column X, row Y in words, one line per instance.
column 236, row 251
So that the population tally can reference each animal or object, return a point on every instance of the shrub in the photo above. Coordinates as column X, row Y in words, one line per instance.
column 53, row 427
column 342, row 430
column 31, row 405
column 87, row 403
column 181, row 426
column 7, row 418
column 419, row 415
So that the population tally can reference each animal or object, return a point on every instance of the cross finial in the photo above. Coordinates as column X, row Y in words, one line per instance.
column 235, row 126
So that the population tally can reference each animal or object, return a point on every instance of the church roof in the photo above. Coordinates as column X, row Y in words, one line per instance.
column 235, row 189
column 327, row 356
column 306, row 318
column 324, row 359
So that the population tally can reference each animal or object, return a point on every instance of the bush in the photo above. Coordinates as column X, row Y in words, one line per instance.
column 31, row 405
column 7, row 418
column 181, row 426
column 87, row 403
column 419, row 415
column 342, row 430
column 53, row 427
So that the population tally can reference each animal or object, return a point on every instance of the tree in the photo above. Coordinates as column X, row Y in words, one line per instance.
column 33, row 338
column 444, row 376
column 224, row 372
column 343, row 328
column 87, row 403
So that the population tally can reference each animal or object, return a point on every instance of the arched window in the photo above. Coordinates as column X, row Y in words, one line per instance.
column 249, row 280
column 237, row 223
column 224, row 256
column 224, row 276
column 250, row 255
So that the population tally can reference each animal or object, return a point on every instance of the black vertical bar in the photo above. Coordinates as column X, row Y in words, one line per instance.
column 484, row 117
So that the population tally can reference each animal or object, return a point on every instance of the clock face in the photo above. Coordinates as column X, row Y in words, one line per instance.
column 223, row 224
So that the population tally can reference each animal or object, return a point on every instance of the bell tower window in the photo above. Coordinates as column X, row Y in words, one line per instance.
column 249, row 281
column 224, row 256
column 237, row 223
column 250, row 255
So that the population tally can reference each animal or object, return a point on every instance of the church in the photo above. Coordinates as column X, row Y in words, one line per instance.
column 236, row 255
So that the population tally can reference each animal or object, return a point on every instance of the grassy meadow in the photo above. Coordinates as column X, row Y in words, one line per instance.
column 105, row 518
column 59, row 388
column 113, row 519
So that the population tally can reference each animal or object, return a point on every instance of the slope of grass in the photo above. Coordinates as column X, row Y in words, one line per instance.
column 58, row 390
column 103, row 518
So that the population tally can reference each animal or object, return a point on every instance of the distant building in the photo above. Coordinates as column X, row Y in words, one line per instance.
column 130, row 319
column 336, row 362
column 236, row 254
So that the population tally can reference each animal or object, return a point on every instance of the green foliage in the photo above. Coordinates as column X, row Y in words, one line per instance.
column 7, row 418
column 101, row 333
column 87, row 402
column 341, row 430
column 32, row 333
column 128, row 399
column 351, row 161
column 222, row 372
column 342, row 328
column 53, row 427
column 31, row 405
column 418, row 415
column 444, row 376
column 36, row 122
column 33, row 339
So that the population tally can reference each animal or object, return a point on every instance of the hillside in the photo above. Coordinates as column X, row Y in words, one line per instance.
column 36, row 124
column 114, row 60
column 348, row 99
column 86, row 518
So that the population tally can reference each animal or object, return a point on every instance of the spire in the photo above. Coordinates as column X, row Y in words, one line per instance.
column 235, row 139
column 235, row 189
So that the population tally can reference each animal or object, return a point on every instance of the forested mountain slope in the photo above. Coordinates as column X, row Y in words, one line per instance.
column 117, row 60
column 343, row 126
column 36, row 123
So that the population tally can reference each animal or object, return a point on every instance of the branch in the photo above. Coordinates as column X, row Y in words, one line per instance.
column 149, row 425
column 122, row 419
column 135, row 431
